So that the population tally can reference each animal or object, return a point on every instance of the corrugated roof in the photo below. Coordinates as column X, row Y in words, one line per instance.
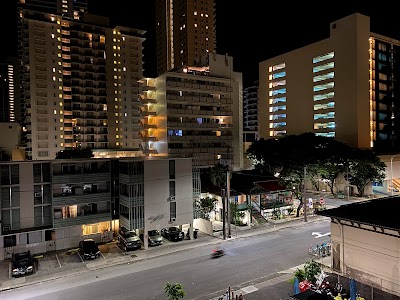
column 381, row 212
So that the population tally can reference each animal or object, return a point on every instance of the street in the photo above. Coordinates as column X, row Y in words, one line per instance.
column 250, row 262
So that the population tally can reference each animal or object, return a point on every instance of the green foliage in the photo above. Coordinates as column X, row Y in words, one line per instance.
column 365, row 168
column 75, row 153
column 324, row 159
column 300, row 274
column 311, row 268
column 174, row 291
column 207, row 205
column 236, row 214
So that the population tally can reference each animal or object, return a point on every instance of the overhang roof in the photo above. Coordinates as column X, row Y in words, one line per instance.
column 381, row 212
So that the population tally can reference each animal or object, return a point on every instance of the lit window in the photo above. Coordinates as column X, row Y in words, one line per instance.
column 55, row 112
column 323, row 57
column 323, row 67
column 321, row 87
column 329, row 75
column 278, row 67
column 52, row 35
column 279, row 75
column 324, row 96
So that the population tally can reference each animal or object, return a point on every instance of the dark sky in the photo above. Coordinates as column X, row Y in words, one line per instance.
column 249, row 33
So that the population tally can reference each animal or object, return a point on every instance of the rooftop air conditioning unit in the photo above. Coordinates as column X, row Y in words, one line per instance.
column 171, row 198
column 173, row 219
column 38, row 194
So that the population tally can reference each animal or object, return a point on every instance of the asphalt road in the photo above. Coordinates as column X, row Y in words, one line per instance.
column 249, row 261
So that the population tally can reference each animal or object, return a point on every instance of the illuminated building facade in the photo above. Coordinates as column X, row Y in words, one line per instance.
column 79, row 83
column 195, row 111
column 185, row 32
column 343, row 87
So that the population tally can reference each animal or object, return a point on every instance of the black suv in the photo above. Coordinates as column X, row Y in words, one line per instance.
column 22, row 264
column 89, row 249
column 172, row 233
column 129, row 239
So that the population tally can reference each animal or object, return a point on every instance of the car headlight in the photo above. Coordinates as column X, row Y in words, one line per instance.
column 15, row 270
column 129, row 243
column 30, row 268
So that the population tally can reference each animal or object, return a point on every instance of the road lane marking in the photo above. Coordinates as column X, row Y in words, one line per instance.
column 58, row 260
column 102, row 255
column 80, row 257
column 319, row 234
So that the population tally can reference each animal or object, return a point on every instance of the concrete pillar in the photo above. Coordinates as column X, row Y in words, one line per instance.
column 145, row 239
column 191, row 230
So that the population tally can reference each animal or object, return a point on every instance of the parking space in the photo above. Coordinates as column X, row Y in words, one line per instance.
column 69, row 257
column 5, row 269
column 111, row 250
column 48, row 261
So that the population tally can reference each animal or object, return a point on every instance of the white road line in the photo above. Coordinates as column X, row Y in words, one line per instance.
column 80, row 257
column 58, row 260
column 102, row 255
column 120, row 250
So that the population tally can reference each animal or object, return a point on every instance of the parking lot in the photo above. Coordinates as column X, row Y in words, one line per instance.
column 70, row 259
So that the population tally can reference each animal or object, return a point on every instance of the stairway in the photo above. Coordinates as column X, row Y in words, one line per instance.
column 256, row 214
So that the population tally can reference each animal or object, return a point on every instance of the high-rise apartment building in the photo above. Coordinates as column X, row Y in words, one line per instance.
column 250, row 112
column 79, row 81
column 9, row 92
column 345, row 86
column 185, row 31
column 195, row 111
column 71, row 9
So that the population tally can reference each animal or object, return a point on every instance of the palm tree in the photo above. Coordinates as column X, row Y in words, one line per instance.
column 174, row 291
column 218, row 175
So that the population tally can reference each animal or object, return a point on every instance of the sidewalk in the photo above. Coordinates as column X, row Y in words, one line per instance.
column 150, row 253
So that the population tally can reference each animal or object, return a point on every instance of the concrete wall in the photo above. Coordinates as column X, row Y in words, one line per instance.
column 369, row 257
column 203, row 225
column 156, row 193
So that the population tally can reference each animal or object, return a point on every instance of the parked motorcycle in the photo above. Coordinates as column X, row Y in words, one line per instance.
column 195, row 231
column 217, row 253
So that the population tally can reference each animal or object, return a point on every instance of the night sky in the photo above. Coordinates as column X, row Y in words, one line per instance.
column 250, row 34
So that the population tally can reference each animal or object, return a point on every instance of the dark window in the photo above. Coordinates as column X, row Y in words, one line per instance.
column 10, row 241
column 172, row 209
column 172, row 169
column 172, row 188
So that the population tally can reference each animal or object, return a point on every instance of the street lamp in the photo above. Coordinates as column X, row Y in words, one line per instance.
column 391, row 172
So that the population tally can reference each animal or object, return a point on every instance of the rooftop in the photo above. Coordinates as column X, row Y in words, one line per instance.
column 381, row 212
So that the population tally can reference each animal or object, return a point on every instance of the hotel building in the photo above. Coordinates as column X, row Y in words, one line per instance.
column 195, row 111
column 79, row 80
column 343, row 87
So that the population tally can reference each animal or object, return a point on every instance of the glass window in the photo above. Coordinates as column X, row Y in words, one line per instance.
column 324, row 106
column 172, row 169
column 329, row 75
column 278, row 108
column 327, row 134
column 279, row 75
column 324, row 116
column 322, row 87
column 278, row 125
column 324, row 96
column 323, row 67
column 277, row 117
column 277, row 100
column 172, row 209
column 278, row 83
column 324, row 125
column 277, row 92
column 278, row 67
column 172, row 188
column 323, row 57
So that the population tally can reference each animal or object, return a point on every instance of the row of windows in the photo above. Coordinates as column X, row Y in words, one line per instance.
column 277, row 108
column 329, row 75
column 324, row 67
column 324, row 96
column 326, row 134
column 277, row 117
column 277, row 125
column 278, row 100
column 277, row 92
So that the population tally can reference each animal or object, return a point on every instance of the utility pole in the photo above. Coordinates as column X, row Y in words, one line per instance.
column 223, row 214
column 228, row 206
column 304, row 194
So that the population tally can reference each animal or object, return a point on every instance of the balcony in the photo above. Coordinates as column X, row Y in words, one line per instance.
column 81, row 220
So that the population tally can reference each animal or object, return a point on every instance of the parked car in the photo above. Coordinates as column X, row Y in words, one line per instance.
column 154, row 237
column 22, row 264
column 129, row 239
column 89, row 249
column 172, row 233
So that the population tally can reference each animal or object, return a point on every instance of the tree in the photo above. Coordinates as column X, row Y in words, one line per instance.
column 75, row 153
column 236, row 213
column 218, row 175
column 365, row 168
column 174, row 291
column 207, row 205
